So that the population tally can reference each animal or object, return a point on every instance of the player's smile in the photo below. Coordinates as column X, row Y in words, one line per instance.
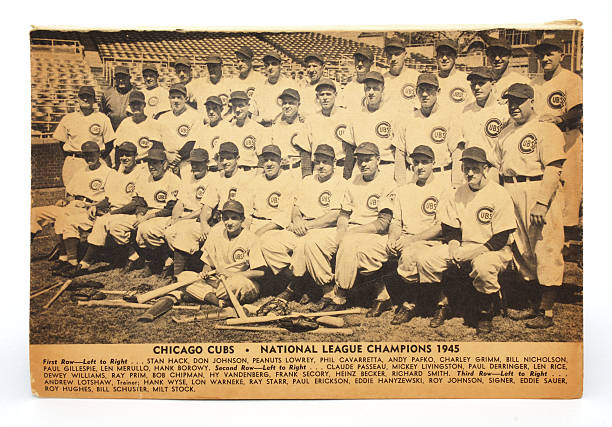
column 150, row 79
column 156, row 168
column 198, row 169
column 232, row 222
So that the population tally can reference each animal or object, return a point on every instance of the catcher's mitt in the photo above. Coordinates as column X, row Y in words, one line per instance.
column 275, row 306
column 298, row 324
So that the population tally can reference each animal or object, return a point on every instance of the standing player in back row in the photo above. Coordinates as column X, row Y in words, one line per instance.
column 156, row 97
column 454, row 89
column 352, row 95
column 499, row 52
column 315, row 65
column 400, row 80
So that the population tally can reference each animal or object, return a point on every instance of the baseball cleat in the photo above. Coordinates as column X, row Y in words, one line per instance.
column 541, row 322
column 530, row 313
column 403, row 315
column 485, row 326
column 439, row 317
column 378, row 308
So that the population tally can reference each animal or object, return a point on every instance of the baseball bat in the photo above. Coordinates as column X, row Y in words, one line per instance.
column 215, row 314
column 334, row 322
column 147, row 296
column 59, row 292
column 343, row 331
column 45, row 290
column 125, row 304
column 268, row 319
column 234, row 300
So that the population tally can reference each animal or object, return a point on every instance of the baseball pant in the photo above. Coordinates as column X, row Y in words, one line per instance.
column 71, row 165
column 76, row 222
column 407, row 264
column 359, row 252
column 282, row 248
column 246, row 290
column 319, row 248
column 151, row 233
column 435, row 260
column 185, row 235
column 572, row 178
column 120, row 228
column 44, row 215
column 539, row 255
column 101, row 229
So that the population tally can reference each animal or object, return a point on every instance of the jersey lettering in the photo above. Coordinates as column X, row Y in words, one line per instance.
column 144, row 142
column 249, row 142
column 231, row 195
column 438, row 134
column 129, row 188
column 528, row 144
column 199, row 192
column 95, row 129
column 160, row 196
column 372, row 202
column 324, row 198
column 383, row 129
column 484, row 215
column 239, row 254
column 340, row 131
column 153, row 101
column 95, row 184
column 556, row 100
column 273, row 199
column 183, row 130
column 409, row 91
column 429, row 206
column 493, row 127
column 458, row 95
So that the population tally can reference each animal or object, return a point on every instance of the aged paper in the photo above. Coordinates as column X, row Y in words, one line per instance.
column 97, row 331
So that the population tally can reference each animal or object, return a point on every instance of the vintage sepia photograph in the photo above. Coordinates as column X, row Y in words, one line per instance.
column 299, row 192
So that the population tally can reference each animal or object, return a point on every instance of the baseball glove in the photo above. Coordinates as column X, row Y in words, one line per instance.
column 130, row 296
column 275, row 306
column 298, row 324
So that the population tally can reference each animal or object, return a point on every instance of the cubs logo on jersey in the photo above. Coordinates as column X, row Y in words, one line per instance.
column 409, row 91
column 183, row 130
column 372, row 202
column 239, row 254
column 199, row 192
column 493, row 127
column 556, row 100
column 484, row 215
column 249, row 142
column 273, row 199
column 340, row 131
column 160, row 196
column 144, row 142
column 528, row 144
column 438, row 134
column 383, row 129
column 95, row 184
column 458, row 94
column 95, row 129
column 153, row 101
column 429, row 206
column 324, row 198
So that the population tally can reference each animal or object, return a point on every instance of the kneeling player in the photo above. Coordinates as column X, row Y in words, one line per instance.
column 477, row 222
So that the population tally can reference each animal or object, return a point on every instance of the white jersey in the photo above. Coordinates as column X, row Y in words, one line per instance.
column 272, row 199
column 481, row 126
column 400, row 91
column 157, row 193
column 506, row 80
column 267, row 97
column 176, row 130
column 251, row 85
column 120, row 187
column 76, row 128
column 156, row 101
column 191, row 191
column 333, row 131
column 288, row 137
column 203, row 88
column 219, row 251
column 376, row 127
column 315, row 199
column 454, row 90
column 210, row 137
column 415, row 207
column 308, row 99
column 140, row 134
column 89, row 183
column 352, row 96
column 221, row 189
column 365, row 199
column 249, row 138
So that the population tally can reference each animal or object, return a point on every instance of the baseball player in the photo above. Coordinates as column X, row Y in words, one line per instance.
column 477, row 223
column 365, row 214
column 231, row 251
column 114, row 102
column 431, row 124
column 454, row 89
column 289, row 133
column 154, row 198
column 330, row 125
column 118, row 193
column 272, row 194
column 558, row 100
column 415, row 225
column 374, row 123
column 182, row 230
column 81, row 126
column 245, row 132
column 85, row 189
column 483, row 119
column 207, row 135
column 531, row 157
column 246, row 77
column 214, row 85
column 499, row 53
column 352, row 95
column 156, row 99
column 175, row 127
column 138, row 127
column 315, row 65
column 275, row 83
column 400, row 80
column 184, row 72
column 316, row 206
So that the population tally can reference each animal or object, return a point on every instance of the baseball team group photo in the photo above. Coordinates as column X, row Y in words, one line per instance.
column 398, row 186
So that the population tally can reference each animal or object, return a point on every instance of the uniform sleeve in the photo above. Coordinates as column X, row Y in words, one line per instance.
column 211, row 196
column 504, row 218
column 446, row 211
column 335, row 202
column 551, row 146
column 285, row 206
column 61, row 131
column 387, row 199
column 208, row 251
column 350, row 133
column 108, row 134
column 399, row 138
column 574, row 93
column 453, row 136
column 397, row 210
column 256, row 259
column 173, row 188
column 348, row 204
column 301, row 138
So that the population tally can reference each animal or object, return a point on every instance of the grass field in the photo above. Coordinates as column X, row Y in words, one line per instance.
column 65, row 322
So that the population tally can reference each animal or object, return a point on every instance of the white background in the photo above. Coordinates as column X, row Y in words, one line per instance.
column 18, row 407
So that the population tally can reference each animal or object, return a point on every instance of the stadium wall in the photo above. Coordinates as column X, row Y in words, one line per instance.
column 47, row 163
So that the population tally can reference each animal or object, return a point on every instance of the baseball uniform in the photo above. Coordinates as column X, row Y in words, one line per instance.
column 555, row 97
column 115, row 105
column 525, row 150
column 283, row 248
column 333, row 130
column 309, row 104
column 400, row 90
column 454, row 90
column 156, row 101
column 271, row 200
column 142, row 134
column 290, row 138
column 76, row 128
column 247, row 138
column 222, row 188
column 479, row 214
column 415, row 210
column 202, row 88
column 505, row 81
column 176, row 131
column 267, row 97
column 210, row 137
column 352, row 96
